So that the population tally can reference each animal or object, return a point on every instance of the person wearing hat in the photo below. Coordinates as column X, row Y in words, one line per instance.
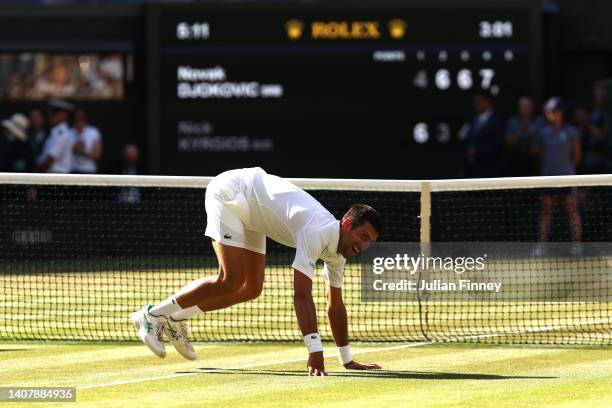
column 57, row 153
column 15, row 153
column 557, row 145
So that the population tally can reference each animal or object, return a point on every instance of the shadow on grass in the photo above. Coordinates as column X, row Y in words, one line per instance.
column 415, row 375
column 7, row 350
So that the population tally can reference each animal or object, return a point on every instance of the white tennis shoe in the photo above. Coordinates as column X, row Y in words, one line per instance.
column 177, row 331
column 149, row 329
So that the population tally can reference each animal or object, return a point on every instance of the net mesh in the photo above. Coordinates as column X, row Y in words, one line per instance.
column 77, row 260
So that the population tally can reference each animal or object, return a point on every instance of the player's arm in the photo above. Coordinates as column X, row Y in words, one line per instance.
column 307, row 320
column 338, row 320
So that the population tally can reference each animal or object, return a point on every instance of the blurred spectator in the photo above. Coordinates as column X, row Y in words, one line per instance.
column 595, row 158
column 130, row 165
column 558, row 146
column 56, row 81
column 520, row 133
column 43, row 75
column 593, row 131
column 597, row 117
column 15, row 152
column 57, row 151
column 38, row 131
column 484, row 140
column 87, row 145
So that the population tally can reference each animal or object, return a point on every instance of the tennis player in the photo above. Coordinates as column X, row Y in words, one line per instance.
column 244, row 207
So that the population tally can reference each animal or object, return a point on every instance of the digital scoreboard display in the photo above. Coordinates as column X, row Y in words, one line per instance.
column 312, row 91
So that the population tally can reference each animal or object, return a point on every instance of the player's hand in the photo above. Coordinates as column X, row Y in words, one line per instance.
column 316, row 366
column 353, row 365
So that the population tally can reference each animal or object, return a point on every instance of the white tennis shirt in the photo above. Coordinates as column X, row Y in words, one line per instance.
column 291, row 217
column 89, row 136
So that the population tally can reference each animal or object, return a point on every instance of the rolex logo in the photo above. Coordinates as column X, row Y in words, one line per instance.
column 397, row 29
column 294, row 28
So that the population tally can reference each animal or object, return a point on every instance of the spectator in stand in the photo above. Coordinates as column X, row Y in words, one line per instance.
column 87, row 145
column 594, row 158
column 597, row 117
column 15, row 152
column 593, row 129
column 37, row 134
column 520, row 134
column 557, row 145
column 484, row 139
column 57, row 151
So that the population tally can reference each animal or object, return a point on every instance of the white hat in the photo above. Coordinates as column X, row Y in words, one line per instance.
column 17, row 125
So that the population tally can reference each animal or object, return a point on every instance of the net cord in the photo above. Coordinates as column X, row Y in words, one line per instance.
column 315, row 184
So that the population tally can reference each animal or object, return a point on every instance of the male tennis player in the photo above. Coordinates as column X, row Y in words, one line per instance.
column 243, row 207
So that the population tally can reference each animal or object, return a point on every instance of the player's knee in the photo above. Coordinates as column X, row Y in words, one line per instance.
column 252, row 291
column 230, row 283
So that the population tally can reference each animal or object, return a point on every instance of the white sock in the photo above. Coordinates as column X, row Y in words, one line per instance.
column 186, row 313
column 166, row 308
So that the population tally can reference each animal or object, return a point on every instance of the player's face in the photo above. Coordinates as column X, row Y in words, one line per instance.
column 355, row 240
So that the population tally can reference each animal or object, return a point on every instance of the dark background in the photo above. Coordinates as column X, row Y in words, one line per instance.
column 576, row 50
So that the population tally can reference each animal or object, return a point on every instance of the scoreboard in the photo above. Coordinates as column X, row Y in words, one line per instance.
column 312, row 90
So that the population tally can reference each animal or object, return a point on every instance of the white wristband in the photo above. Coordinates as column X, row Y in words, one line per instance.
column 344, row 354
column 313, row 342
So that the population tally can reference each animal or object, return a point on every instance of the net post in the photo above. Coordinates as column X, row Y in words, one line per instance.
column 425, row 239
column 425, row 217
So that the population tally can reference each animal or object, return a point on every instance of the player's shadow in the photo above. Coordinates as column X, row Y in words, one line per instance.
column 7, row 350
column 391, row 374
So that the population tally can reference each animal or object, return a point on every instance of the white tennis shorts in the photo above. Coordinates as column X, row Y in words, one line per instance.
column 228, row 213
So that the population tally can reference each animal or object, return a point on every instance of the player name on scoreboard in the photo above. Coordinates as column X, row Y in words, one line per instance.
column 211, row 83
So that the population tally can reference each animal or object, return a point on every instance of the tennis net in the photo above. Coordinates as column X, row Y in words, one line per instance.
column 79, row 254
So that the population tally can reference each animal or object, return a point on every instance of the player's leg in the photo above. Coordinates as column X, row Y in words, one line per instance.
column 233, row 262
column 254, row 258
column 182, row 305
column 251, row 288
column 227, row 230
column 225, row 227
column 254, row 264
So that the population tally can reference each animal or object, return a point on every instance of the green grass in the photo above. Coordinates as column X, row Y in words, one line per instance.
column 254, row 375
column 51, row 302
column 57, row 301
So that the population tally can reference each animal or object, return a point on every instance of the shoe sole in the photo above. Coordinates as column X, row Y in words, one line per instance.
column 136, row 323
column 185, row 356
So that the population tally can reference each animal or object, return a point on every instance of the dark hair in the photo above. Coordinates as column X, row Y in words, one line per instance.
column 361, row 213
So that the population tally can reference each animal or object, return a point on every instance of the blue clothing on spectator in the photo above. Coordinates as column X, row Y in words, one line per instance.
column 557, row 145
column 486, row 139
column 595, row 148
column 515, row 126
column 519, row 160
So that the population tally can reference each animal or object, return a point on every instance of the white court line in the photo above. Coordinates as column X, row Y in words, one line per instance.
column 376, row 350
column 295, row 360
